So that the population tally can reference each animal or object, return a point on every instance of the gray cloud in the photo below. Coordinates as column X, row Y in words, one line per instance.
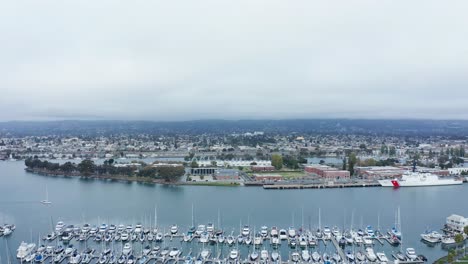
column 182, row 60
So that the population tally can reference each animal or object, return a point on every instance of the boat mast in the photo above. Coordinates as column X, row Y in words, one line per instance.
column 320, row 220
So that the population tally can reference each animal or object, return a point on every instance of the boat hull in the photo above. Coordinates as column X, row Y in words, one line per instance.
column 398, row 183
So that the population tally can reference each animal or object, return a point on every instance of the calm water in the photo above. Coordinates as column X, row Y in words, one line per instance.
column 76, row 201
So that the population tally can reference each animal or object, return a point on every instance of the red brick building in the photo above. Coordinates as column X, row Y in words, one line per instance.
column 327, row 172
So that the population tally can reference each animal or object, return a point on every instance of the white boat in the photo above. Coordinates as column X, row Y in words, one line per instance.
column 360, row 256
column 327, row 232
column 234, row 254
column 370, row 254
column 370, row 231
column 350, row 256
column 275, row 241
column 210, row 228
column 316, row 256
column 382, row 257
column 305, row 255
column 205, row 253
column 275, row 256
column 174, row 252
column 431, row 237
column 30, row 257
column 24, row 250
column 124, row 236
column 200, row 230
column 264, row 231
column 59, row 226
column 46, row 200
column 448, row 240
column 103, row 228
column 416, row 179
column 174, row 229
column 274, row 231
column 291, row 232
column 138, row 228
column 253, row 256
column 368, row 241
column 283, row 235
column 245, row 231
column 295, row 257
column 127, row 249
column 75, row 259
column 411, row 253
column 264, row 255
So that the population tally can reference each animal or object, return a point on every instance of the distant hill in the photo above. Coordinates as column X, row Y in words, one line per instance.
column 308, row 126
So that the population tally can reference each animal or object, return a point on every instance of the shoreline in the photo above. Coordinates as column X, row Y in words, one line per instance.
column 124, row 178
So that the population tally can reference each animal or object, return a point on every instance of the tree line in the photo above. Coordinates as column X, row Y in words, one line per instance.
column 87, row 168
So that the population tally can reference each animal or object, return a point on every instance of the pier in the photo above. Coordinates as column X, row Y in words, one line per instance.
column 318, row 186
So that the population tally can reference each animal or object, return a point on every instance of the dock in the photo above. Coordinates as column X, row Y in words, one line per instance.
column 318, row 186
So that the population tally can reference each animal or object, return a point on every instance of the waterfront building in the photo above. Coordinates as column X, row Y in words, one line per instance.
column 327, row 172
column 456, row 222
column 227, row 175
column 262, row 168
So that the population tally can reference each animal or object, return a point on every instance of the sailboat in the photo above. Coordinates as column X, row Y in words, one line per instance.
column 46, row 201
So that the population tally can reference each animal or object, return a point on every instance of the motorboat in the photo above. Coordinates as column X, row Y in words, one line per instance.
column 93, row 230
column 24, row 250
column 382, row 257
column 200, row 230
column 253, row 256
column 69, row 250
column 142, row 260
column 327, row 232
column 159, row 237
column 122, row 259
column 58, row 249
column 59, row 226
column 291, row 232
column 360, row 256
column 295, row 257
column 75, row 258
column 264, row 231
column 138, row 228
column 245, row 231
column 205, row 253
column 336, row 257
column 350, row 256
column 234, row 254
column 210, row 228
column 258, row 240
column 112, row 259
column 370, row 231
column 248, row 240
column 174, row 252
column 58, row 258
column 448, row 241
column 370, row 254
column 112, row 228
column 131, row 259
column 275, row 256
column 165, row 251
column 221, row 239
column 204, row 238
column 431, row 237
column 274, row 231
column 368, row 241
column 103, row 228
column 411, row 254
column 305, row 255
column 124, row 236
column 336, row 232
column 174, row 229
column 30, row 257
column 127, row 249
column 316, row 256
column 303, row 241
column 275, row 241
column 264, row 255
column 283, row 235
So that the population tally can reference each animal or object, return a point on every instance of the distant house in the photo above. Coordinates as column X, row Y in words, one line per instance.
column 227, row 175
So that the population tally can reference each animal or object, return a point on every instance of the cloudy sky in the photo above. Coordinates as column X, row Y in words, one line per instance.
column 243, row 59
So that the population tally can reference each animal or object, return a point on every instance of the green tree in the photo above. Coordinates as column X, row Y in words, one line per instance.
column 67, row 167
column 86, row 167
column 392, row 151
column 277, row 161
column 352, row 160
column 344, row 164
column 194, row 164
column 458, row 238
column 465, row 230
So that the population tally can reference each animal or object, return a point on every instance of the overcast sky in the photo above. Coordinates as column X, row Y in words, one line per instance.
column 242, row 59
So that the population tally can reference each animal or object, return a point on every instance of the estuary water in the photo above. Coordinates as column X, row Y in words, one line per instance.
column 77, row 201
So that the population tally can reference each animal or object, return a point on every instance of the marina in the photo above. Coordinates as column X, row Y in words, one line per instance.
column 206, row 243
column 79, row 201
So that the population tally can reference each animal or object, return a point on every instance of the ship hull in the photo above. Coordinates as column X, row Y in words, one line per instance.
column 397, row 183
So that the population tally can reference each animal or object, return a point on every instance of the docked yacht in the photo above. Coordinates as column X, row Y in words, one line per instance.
column 264, row 256
column 59, row 226
column 75, row 258
column 127, row 249
column 174, row 229
column 316, row 256
column 205, row 253
column 283, row 235
column 370, row 254
column 24, row 250
column 382, row 257
column 234, row 254
column 295, row 257
column 411, row 254
column 275, row 256
column 305, row 255
column 200, row 230
column 175, row 252
column 431, row 237
column 350, row 256
column 245, row 231
column 274, row 231
column 327, row 232
column 138, row 228
column 103, row 228
column 291, row 232
column 210, row 228
column 264, row 231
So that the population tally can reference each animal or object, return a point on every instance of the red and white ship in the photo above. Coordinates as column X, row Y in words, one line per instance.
column 416, row 178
